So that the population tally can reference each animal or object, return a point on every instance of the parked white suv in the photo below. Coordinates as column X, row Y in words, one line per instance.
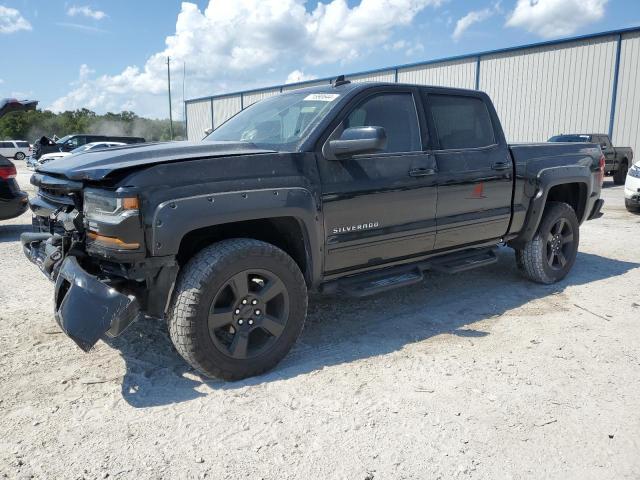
column 17, row 149
column 632, row 189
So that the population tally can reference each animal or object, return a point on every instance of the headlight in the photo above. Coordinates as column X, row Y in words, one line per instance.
column 101, row 206
column 634, row 171
column 112, row 221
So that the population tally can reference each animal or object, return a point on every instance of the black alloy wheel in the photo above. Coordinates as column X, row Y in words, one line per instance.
column 559, row 244
column 248, row 314
column 237, row 309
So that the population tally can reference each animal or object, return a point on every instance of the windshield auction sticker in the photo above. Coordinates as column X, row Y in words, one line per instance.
column 321, row 97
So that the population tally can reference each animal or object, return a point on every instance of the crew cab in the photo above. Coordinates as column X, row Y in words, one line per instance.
column 618, row 160
column 345, row 188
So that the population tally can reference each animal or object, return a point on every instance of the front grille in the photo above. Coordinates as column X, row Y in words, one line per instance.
column 61, row 192
column 57, row 197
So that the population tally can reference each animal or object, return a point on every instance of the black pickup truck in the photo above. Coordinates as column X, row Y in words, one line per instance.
column 618, row 160
column 347, row 188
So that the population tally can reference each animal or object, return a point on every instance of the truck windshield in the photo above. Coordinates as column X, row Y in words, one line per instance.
column 571, row 138
column 278, row 122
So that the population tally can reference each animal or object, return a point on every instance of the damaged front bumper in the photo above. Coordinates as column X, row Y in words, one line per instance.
column 86, row 308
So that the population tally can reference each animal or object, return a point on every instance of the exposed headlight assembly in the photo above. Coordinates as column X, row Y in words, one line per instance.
column 109, row 218
column 634, row 171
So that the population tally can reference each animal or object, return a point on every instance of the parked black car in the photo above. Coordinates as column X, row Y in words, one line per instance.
column 13, row 201
column 46, row 145
column 618, row 160
column 351, row 189
column 71, row 142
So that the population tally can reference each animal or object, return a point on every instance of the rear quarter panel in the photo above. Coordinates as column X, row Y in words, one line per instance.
column 541, row 166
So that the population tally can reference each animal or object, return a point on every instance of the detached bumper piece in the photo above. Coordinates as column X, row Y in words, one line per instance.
column 85, row 307
column 596, row 210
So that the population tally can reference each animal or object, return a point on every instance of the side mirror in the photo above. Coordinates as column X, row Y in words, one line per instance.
column 358, row 141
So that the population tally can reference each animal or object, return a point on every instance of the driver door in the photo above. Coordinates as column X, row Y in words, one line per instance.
column 380, row 207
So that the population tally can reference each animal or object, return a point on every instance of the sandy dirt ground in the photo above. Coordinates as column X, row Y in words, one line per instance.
column 476, row 375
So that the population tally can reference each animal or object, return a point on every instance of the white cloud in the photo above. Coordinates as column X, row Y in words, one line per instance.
column 415, row 48
column 86, row 11
column 299, row 76
column 11, row 20
column 248, row 43
column 475, row 16
column 554, row 18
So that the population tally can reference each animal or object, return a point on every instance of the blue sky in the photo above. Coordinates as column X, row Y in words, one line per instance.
column 109, row 55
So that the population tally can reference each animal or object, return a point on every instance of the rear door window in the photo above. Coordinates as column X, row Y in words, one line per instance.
column 461, row 121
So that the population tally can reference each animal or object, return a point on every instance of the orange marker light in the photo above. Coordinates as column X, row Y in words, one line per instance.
column 112, row 241
column 130, row 203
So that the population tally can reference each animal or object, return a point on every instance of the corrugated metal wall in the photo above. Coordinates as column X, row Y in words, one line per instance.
column 388, row 76
column 459, row 74
column 539, row 90
column 296, row 86
column 224, row 108
column 198, row 118
column 626, row 126
column 253, row 97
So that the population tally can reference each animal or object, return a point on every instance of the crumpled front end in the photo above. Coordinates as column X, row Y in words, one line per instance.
column 86, row 307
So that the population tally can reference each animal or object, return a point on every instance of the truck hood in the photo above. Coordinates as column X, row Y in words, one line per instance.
column 99, row 164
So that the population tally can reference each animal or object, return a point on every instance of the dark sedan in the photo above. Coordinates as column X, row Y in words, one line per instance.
column 13, row 201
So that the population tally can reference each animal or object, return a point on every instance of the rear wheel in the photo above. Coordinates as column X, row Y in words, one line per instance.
column 620, row 175
column 20, row 156
column 238, row 308
column 549, row 256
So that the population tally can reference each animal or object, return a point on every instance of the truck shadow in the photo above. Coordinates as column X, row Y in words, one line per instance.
column 341, row 330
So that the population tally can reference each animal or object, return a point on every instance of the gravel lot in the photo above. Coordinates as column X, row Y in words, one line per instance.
column 477, row 375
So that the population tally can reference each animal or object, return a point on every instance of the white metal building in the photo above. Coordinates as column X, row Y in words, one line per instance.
column 587, row 84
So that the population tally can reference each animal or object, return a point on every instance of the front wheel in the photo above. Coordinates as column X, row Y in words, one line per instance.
column 549, row 256
column 238, row 308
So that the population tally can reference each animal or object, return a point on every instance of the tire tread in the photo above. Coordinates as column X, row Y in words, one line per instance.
column 189, row 288
column 529, row 259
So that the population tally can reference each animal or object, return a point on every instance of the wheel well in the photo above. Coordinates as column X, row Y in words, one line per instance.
column 286, row 233
column 624, row 161
column 575, row 194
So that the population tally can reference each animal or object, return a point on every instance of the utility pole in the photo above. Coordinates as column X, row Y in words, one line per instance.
column 184, row 105
column 169, row 85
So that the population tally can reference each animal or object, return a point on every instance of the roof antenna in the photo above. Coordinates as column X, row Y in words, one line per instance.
column 340, row 81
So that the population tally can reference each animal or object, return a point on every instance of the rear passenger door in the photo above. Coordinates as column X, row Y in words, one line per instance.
column 475, row 170
column 379, row 207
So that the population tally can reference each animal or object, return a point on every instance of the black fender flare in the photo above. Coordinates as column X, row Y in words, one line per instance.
column 173, row 219
column 545, row 181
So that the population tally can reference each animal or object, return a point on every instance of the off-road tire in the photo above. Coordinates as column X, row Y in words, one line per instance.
column 532, row 260
column 620, row 175
column 201, row 279
column 20, row 156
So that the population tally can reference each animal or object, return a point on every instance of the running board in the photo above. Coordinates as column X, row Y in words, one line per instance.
column 371, row 286
column 457, row 264
column 372, row 283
